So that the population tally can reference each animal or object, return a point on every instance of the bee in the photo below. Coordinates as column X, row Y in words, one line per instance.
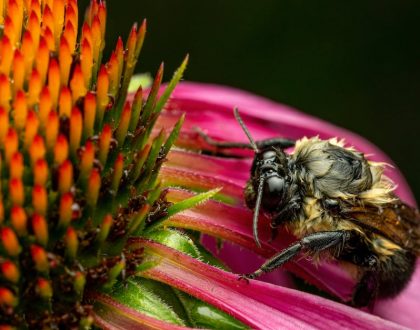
column 338, row 204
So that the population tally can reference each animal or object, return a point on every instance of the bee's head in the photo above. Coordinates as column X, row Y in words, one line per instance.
column 270, row 167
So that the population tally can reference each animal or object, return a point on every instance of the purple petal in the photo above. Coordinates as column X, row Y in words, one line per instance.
column 258, row 304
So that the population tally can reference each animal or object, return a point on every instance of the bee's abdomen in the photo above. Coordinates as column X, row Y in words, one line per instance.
column 395, row 272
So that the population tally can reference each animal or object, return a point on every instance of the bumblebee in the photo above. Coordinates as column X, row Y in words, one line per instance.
column 338, row 204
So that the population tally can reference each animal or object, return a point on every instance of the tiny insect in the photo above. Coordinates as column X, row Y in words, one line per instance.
column 337, row 204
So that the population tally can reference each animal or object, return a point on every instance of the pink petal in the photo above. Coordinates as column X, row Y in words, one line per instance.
column 234, row 223
column 210, row 108
column 258, row 304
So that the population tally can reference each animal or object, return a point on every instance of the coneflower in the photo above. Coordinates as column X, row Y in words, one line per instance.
column 78, row 165
column 101, row 222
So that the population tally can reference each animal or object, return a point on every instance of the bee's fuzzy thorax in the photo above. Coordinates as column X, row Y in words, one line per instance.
column 325, row 177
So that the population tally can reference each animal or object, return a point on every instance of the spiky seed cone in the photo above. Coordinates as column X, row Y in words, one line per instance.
column 76, row 160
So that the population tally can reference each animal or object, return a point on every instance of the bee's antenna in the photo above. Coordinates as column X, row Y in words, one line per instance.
column 257, row 211
column 245, row 129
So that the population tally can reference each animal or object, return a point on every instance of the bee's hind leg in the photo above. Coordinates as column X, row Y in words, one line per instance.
column 311, row 244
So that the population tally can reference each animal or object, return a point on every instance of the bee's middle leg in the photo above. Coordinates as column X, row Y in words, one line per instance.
column 312, row 243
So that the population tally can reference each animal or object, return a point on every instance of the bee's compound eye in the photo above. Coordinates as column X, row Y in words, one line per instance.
column 274, row 189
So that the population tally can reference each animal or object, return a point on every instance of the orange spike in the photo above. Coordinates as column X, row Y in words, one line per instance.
column 29, row 51
column 4, row 124
column 2, row 11
column 72, row 5
column 41, row 172
column 7, row 297
column 48, row 21
column 122, row 129
column 65, row 177
column 65, row 60
column 35, row 7
column 61, row 149
column 49, row 38
column 77, row 84
column 65, row 102
column 119, row 52
column 45, row 106
column 86, row 61
column 6, row 93
column 42, row 59
column 11, row 144
column 94, row 185
column 70, row 35
column 92, row 11
column 89, row 114
column 10, row 271
column 131, row 44
column 6, row 58
column 20, row 110
column 105, row 228
column 15, row 13
column 140, row 38
column 102, row 17
column 40, row 200
column 96, row 40
column 40, row 258
column 37, row 149
column 65, row 211
column 104, row 142
column 44, row 288
column 114, row 78
column 51, row 131
column 86, row 33
column 86, row 162
column 18, row 71
column 58, row 16
column 35, row 86
column 76, row 125
column 102, row 98
column 9, row 30
column 118, row 172
column 34, row 28
column 19, row 220
column 16, row 191
column 54, row 81
column 16, row 166
column 72, row 242
column 40, row 229
column 10, row 242
column 31, row 128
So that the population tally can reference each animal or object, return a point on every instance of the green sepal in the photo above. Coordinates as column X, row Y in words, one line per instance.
column 184, row 205
column 139, row 294
column 176, row 240
column 206, row 316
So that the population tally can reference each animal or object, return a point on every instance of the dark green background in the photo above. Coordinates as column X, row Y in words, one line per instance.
column 355, row 64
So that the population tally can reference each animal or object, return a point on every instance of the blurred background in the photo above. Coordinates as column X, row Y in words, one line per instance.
column 355, row 64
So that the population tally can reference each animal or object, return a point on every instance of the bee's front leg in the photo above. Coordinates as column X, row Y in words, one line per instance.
column 312, row 243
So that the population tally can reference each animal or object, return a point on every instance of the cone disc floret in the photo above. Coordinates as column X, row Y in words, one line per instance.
column 78, row 160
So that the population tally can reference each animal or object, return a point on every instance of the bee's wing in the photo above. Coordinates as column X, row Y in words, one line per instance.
column 396, row 221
